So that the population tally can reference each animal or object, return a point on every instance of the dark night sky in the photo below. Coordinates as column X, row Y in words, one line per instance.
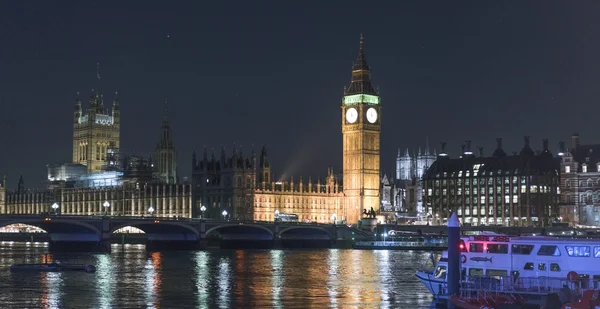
column 273, row 72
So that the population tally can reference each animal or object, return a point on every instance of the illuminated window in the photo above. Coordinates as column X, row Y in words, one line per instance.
column 567, row 169
column 597, row 252
column 554, row 267
column 578, row 251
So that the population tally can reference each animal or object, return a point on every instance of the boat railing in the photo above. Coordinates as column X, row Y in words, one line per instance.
column 393, row 243
column 525, row 285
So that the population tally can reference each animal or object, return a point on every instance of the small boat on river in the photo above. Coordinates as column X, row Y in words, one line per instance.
column 53, row 267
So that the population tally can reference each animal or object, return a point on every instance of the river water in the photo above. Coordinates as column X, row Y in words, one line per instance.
column 130, row 277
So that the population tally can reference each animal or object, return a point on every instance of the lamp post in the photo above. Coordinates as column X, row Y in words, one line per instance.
column 276, row 215
column 334, row 218
column 55, row 207
column 151, row 210
column 224, row 213
column 106, row 205
column 202, row 210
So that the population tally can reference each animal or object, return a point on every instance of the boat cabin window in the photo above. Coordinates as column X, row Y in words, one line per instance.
column 528, row 266
column 475, row 247
column 578, row 251
column 554, row 267
column 475, row 272
column 440, row 272
column 597, row 252
column 522, row 249
column 496, row 273
column 497, row 248
column 541, row 266
column 549, row 250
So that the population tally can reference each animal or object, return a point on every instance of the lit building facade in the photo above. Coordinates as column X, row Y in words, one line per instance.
column 361, row 140
column 244, row 189
column 95, row 132
column 517, row 190
column 580, row 183
column 160, row 200
column 409, row 167
column 103, row 182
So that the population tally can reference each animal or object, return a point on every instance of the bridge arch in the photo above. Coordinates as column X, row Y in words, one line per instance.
column 165, row 230
column 17, row 228
column 306, row 228
column 234, row 226
column 53, row 225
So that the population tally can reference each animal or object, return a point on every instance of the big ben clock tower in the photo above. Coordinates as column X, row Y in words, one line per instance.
column 361, row 131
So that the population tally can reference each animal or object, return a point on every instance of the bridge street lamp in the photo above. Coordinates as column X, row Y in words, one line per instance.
column 276, row 215
column 202, row 210
column 55, row 207
column 151, row 210
column 334, row 218
column 224, row 213
column 106, row 205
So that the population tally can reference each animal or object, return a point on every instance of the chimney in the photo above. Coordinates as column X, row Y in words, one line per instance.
column 575, row 141
column 561, row 148
column 499, row 152
column 443, row 151
column 481, row 151
column 468, row 152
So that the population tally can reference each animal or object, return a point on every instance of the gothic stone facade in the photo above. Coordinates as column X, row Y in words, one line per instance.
column 580, row 183
column 95, row 133
column 516, row 190
column 361, row 140
column 245, row 190
column 165, row 155
column 126, row 200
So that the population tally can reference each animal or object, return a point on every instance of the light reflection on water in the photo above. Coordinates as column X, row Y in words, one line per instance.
column 131, row 278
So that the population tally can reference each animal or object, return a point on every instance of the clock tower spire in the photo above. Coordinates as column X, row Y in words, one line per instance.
column 361, row 132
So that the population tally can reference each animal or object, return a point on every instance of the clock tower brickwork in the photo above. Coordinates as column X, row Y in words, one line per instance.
column 361, row 131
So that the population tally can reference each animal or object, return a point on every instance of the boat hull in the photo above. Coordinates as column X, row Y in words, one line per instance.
column 436, row 286
column 490, row 302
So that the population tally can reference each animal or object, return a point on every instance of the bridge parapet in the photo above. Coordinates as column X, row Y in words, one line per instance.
column 100, row 228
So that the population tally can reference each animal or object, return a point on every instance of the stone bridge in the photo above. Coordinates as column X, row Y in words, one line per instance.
column 178, row 233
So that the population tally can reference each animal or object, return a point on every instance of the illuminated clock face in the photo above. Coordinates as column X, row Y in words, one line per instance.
column 351, row 115
column 372, row 115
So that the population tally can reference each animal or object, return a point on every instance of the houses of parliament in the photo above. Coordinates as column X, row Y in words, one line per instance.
column 230, row 185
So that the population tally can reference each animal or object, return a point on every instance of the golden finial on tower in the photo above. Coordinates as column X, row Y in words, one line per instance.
column 361, row 40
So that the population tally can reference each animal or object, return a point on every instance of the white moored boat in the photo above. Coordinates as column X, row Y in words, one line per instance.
column 525, row 264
